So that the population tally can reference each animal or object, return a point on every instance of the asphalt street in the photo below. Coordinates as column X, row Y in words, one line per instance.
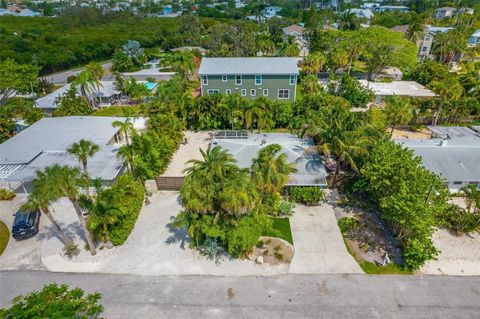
column 61, row 77
column 288, row 296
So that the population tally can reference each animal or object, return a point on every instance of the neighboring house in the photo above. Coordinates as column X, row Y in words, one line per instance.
column 426, row 44
column 273, row 78
column 296, row 31
column 453, row 153
column 384, row 90
column 392, row 9
column 202, row 51
column 153, row 73
column 302, row 152
column 45, row 143
column 271, row 11
column 474, row 39
column 105, row 96
column 361, row 13
column 392, row 73
column 446, row 12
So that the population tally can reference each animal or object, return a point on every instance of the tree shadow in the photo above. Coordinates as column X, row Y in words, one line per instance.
column 178, row 235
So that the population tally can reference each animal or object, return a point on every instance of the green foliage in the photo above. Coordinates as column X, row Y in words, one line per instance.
column 390, row 19
column 70, row 104
column 16, row 78
column 211, row 248
column 458, row 220
column 55, row 301
column 351, row 90
column 347, row 224
column 131, row 57
column 5, row 194
column 117, row 111
column 129, row 200
column 285, row 208
column 306, row 195
column 4, row 237
column 408, row 196
column 281, row 229
column 80, row 40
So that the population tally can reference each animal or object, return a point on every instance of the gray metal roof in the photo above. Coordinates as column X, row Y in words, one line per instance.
column 457, row 159
column 45, row 142
column 452, row 131
column 219, row 66
column 310, row 168
column 49, row 101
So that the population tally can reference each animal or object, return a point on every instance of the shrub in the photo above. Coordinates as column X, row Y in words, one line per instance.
column 459, row 221
column 285, row 208
column 416, row 251
column 71, row 249
column 310, row 195
column 5, row 194
column 347, row 224
column 131, row 195
column 211, row 248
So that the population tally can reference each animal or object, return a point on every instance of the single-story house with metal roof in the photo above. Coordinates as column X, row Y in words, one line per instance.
column 382, row 90
column 300, row 151
column 272, row 77
column 45, row 143
column 455, row 158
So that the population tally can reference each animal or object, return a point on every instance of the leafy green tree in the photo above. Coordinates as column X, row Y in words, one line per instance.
column 409, row 198
column 399, row 111
column 449, row 90
column 69, row 104
column 382, row 47
column 352, row 91
column 309, row 85
column 183, row 62
column 348, row 21
column 16, row 78
column 55, row 301
column 289, row 48
column 313, row 63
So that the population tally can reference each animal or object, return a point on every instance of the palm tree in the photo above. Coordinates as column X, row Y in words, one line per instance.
column 103, row 211
column 472, row 197
column 270, row 170
column 68, row 180
column 125, row 127
column 415, row 27
column 87, row 85
column 127, row 154
column 399, row 111
column 203, row 178
column 42, row 195
column 313, row 63
column 83, row 150
column 449, row 90
column 183, row 62
column 96, row 70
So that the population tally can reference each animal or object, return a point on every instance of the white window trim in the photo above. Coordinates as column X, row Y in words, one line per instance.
column 283, row 98
column 265, row 92
column 204, row 79
column 243, row 92
column 213, row 91
column 253, row 91
column 261, row 79
column 226, row 78
column 241, row 80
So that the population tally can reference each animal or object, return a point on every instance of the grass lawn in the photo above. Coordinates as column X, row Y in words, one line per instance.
column 282, row 227
column 116, row 110
column 4, row 237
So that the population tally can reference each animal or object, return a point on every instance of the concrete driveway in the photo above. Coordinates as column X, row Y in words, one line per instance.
column 319, row 246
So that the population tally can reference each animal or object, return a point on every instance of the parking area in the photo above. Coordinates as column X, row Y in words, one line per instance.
column 319, row 246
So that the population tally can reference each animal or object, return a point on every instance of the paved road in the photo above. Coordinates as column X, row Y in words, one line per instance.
column 288, row 296
column 61, row 77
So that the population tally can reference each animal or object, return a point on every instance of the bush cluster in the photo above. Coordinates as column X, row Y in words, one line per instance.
column 306, row 195
column 459, row 221
column 131, row 194
column 5, row 194
column 348, row 224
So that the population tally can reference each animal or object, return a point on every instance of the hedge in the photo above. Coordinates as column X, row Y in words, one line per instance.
column 307, row 195
column 131, row 194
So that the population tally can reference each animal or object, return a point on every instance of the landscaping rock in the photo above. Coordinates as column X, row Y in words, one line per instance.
column 151, row 186
column 259, row 260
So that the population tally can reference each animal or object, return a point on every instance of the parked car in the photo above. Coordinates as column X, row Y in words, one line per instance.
column 25, row 224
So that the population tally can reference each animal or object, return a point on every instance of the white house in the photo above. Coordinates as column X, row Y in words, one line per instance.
column 296, row 31
column 383, row 90
column 425, row 45
column 446, row 12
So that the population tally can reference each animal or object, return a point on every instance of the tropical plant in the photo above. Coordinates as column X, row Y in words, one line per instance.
column 313, row 63
column 125, row 128
column 83, row 150
column 55, row 301
column 306, row 195
column 399, row 111
column 183, row 62
column 5, row 194
column 472, row 198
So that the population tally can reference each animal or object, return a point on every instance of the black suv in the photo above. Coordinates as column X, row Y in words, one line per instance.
column 25, row 224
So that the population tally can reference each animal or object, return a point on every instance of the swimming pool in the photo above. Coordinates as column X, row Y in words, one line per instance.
column 150, row 85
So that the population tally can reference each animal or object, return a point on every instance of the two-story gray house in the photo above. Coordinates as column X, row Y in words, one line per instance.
column 273, row 78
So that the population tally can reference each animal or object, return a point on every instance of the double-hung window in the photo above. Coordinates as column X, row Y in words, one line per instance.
column 292, row 79
column 253, row 92
column 258, row 80
column 244, row 92
column 283, row 94
column 238, row 80
column 224, row 78
column 265, row 92
column 204, row 80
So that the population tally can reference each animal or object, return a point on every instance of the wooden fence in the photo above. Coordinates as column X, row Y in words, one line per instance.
column 169, row 183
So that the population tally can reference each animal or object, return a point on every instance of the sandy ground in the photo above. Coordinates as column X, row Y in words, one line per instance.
column 186, row 152
column 420, row 135
column 459, row 255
